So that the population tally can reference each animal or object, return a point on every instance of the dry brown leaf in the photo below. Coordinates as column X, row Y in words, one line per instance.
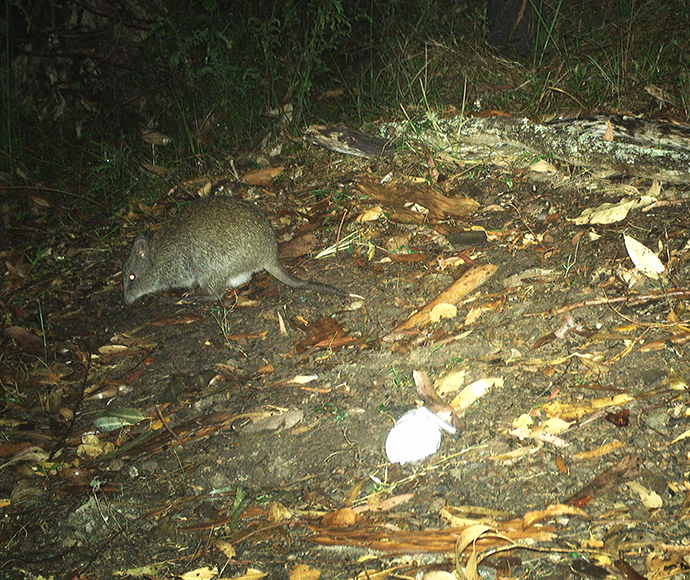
column 456, row 521
column 524, row 421
column 480, row 515
column 386, row 504
column 243, row 301
column 542, row 166
column 608, row 134
column 407, row 258
column 370, row 215
column 262, row 176
column 112, row 348
column 27, row 341
column 654, row 189
column 40, row 201
column 650, row 499
column 299, row 246
column 278, row 513
column 438, row 575
column 266, row 369
column 186, row 319
column 609, row 213
column 303, row 379
column 225, row 547
column 561, row 465
column 469, row 536
column 341, row 518
column 538, row 436
column 682, row 436
column 599, row 451
column 437, row 204
column 244, row 337
column 615, row 401
column 397, row 242
column 627, row 469
column 376, row 537
column 593, row 365
column 425, row 389
column 324, row 333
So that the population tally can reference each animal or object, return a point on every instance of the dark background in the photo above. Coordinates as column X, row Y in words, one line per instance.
column 81, row 80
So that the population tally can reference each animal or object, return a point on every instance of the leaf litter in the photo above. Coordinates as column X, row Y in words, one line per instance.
column 262, row 427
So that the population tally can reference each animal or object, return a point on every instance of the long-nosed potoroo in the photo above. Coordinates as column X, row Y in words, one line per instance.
column 216, row 243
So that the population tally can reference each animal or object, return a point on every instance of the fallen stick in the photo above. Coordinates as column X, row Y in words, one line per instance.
column 468, row 282
column 681, row 294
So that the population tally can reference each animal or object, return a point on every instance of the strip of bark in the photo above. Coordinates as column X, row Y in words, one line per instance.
column 468, row 282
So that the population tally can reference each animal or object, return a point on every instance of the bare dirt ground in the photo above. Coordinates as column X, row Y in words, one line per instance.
column 248, row 438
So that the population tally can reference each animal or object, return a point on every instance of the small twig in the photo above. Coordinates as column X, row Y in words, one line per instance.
column 680, row 294
column 165, row 424
column 570, row 264
column 340, row 231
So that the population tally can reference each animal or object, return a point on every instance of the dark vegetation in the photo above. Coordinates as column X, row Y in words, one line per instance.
column 81, row 81
column 113, row 113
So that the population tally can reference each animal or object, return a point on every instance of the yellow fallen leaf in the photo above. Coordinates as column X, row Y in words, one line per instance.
column 112, row 348
column 552, row 511
column 472, row 392
column 524, row 421
column 608, row 213
column 615, row 401
column 682, row 436
column 304, row 572
column 451, row 382
column 515, row 454
column 205, row 573
column 575, row 412
column 554, row 425
column 304, row 379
